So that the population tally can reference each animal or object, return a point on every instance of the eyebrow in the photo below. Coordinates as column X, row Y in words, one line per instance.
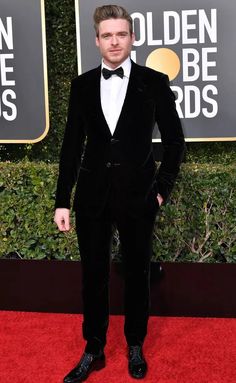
column 116, row 33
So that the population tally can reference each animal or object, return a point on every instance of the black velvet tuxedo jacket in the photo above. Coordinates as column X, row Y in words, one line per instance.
column 95, row 160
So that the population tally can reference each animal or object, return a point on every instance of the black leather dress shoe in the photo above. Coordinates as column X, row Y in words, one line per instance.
column 87, row 364
column 137, row 364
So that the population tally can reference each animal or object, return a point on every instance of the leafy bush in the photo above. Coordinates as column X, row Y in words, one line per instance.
column 198, row 224
column 26, row 208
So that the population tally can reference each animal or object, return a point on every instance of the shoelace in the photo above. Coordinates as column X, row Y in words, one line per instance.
column 86, row 359
column 135, row 353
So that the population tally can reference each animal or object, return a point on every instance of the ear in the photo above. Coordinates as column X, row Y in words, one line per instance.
column 97, row 41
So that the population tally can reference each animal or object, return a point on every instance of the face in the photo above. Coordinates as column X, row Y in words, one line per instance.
column 114, row 41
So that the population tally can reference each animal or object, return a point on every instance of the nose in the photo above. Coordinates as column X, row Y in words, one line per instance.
column 114, row 40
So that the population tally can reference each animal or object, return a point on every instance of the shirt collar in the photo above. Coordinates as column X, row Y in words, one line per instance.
column 126, row 65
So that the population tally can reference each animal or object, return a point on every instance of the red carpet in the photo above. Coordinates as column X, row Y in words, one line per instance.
column 42, row 348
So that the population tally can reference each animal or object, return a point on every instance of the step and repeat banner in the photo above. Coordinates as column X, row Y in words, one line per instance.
column 24, row 113
column 194, row 43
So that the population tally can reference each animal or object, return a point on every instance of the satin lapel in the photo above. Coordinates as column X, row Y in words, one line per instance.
column 135, row 92
column 95, row 100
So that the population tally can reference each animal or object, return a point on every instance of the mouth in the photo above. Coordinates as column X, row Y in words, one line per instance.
column 115, row 50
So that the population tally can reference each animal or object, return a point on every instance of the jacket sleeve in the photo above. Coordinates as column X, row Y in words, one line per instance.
column 172, row 138
column 71, row 151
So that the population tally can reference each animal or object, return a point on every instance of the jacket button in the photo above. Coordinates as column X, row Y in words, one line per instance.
column 114, row 141
column 108, row 165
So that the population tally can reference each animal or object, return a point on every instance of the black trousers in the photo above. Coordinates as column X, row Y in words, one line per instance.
column 95, row 238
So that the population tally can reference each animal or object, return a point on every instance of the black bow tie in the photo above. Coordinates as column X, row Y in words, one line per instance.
column 108, row 73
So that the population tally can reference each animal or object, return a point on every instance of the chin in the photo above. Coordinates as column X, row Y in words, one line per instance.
column 117, row 60
column 113, row 62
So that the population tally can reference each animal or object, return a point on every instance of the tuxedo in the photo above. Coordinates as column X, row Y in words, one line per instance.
column 117, row 182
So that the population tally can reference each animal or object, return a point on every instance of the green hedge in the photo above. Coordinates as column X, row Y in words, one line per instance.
column 198, row 224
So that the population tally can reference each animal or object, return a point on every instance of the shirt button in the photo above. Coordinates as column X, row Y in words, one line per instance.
column 108, row 165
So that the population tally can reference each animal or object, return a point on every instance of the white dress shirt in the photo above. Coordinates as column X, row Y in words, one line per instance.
column 113, row 92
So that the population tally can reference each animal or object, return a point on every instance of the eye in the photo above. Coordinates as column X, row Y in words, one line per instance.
column 106, row 36
column 122, row 34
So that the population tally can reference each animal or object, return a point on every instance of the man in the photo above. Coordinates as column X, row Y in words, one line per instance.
column 107, row 151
